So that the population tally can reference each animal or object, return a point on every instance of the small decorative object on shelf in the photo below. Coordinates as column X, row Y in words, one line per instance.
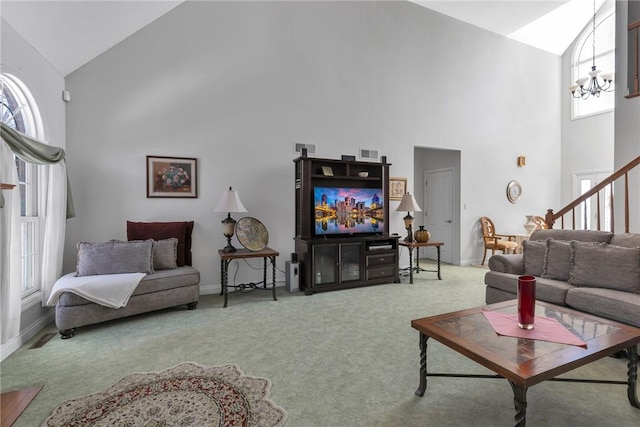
column 422, row 235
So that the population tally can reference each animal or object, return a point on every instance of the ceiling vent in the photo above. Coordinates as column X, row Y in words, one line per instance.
column 367, row 154
column 297, row 148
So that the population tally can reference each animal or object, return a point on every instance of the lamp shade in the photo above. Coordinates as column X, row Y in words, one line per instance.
column 408, row 204
column 230, row 202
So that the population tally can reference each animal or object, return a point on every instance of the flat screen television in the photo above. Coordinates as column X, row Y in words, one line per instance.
column 344, row 210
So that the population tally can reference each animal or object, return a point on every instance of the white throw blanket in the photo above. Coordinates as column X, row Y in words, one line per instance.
column 110, row 290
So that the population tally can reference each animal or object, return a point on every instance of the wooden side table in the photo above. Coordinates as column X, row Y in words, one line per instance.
column 227, row 257
column 417, row 246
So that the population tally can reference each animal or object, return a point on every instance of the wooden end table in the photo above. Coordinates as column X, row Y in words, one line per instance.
column 227, row 257
column 526, row 362
column 417, row 245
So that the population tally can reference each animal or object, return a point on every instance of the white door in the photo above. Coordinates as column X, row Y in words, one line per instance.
column 587, row 212
column 438, row 212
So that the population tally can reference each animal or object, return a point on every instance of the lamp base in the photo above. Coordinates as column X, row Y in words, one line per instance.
column 409, row 238
column 229, row 247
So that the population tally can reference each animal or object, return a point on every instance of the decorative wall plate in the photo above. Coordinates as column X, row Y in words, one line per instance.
column 514, row 191
column 252, row 234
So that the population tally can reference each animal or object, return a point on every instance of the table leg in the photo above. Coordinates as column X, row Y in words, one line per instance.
column 264, row 272
column 438, row 250
column 221, row 277
column 418, row 260
column 225, row 281
column 520, row 401
column 423, row 365
column 632, row 374
column 410, row 265
column 273, row 277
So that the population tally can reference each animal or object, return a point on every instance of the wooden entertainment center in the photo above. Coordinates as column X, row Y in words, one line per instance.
column 344, row 243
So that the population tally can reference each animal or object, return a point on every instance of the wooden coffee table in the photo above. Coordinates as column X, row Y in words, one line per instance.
column 525, row 362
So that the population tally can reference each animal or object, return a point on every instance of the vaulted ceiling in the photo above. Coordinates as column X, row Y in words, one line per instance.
column 71, row 33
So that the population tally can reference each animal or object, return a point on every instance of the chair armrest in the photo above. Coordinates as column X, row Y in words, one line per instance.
column 507, row 263
column 510, row 237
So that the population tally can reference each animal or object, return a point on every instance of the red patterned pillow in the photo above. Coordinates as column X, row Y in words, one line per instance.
column 165, row 230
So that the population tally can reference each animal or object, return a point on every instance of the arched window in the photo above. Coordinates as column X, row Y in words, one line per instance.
column 582, row 60
column 20, row 112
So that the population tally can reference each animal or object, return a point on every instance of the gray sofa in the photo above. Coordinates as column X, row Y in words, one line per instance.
column 161, row 250
column 595, row 272
column 162, row 289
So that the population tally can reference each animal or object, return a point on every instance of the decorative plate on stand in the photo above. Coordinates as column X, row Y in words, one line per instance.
column 252, row 234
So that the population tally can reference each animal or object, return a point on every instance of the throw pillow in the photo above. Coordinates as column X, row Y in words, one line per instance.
column 114, row 258
column 533, row 255
column 165, row 253
column 605, row 266
column 557, row 260
column 165, row 230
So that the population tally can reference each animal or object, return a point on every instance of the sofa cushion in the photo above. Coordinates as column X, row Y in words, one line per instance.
column 568, row 235
column 549, row 290
column 611, row 304
column 533, row 252
column 165, row 230
column 159, row 281
column 605, row 266
column 557, row 260
column 626, row 240
column 114, row 257
column 165, row 254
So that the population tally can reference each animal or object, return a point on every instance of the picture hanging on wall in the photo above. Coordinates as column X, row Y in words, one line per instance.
column 172, row 177
column 397, row 188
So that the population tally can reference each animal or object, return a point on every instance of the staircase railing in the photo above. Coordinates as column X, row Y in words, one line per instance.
column 597, row 190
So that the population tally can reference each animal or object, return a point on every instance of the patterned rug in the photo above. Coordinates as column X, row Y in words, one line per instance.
column 185, row 395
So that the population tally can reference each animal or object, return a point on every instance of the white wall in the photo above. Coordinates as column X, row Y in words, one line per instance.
column 46, row 85
column 234, row 84
column 627, row 123
column 588, row 142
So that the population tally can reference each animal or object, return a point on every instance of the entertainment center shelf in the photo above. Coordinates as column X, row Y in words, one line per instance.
column 342, row 212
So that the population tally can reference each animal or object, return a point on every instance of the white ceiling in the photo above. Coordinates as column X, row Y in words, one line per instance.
column 71, row 33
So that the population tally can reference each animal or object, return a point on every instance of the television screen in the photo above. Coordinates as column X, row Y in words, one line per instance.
column 340, row 210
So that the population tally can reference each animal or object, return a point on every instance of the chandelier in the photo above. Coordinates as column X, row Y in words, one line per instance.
column 597, row 83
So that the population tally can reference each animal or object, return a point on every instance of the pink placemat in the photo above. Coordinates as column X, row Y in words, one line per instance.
column 545, row 329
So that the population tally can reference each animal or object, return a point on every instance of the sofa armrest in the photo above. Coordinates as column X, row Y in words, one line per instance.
column 507, row 263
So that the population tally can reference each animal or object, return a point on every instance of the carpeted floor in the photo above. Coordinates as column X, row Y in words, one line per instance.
column 347, row 358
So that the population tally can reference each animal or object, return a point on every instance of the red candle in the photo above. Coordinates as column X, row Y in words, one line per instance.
column 526, row 301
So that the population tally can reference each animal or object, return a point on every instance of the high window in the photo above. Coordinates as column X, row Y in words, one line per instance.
column 582, row 60
column 20, row 112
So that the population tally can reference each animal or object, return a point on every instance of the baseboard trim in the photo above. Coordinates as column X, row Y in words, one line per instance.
column 8, row 348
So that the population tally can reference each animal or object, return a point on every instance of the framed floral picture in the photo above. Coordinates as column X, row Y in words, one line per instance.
column 172, row 177
column 397, row 188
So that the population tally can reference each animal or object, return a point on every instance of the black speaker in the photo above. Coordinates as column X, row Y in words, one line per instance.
column 304, row 152
column 294, row 257
column 383, row 159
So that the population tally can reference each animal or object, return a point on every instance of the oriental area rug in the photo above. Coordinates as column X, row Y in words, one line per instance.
column 185, row 395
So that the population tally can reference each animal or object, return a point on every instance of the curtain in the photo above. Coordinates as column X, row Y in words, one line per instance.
column 10, row 250
column 59, row 203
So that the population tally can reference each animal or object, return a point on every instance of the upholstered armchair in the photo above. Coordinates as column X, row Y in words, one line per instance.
column 494, row 241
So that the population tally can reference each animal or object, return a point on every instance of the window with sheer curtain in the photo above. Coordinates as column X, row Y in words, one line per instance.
column 582, row 60
column 18, row 110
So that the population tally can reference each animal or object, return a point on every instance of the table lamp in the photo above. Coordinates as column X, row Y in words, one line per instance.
column 229, row 202
column 408, row 204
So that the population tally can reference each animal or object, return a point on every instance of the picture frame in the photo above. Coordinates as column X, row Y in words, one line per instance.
column 172, row 177
column 397, row 188
column 327, row 171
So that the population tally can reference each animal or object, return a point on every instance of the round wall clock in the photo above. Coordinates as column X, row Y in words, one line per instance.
column 514, row 191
